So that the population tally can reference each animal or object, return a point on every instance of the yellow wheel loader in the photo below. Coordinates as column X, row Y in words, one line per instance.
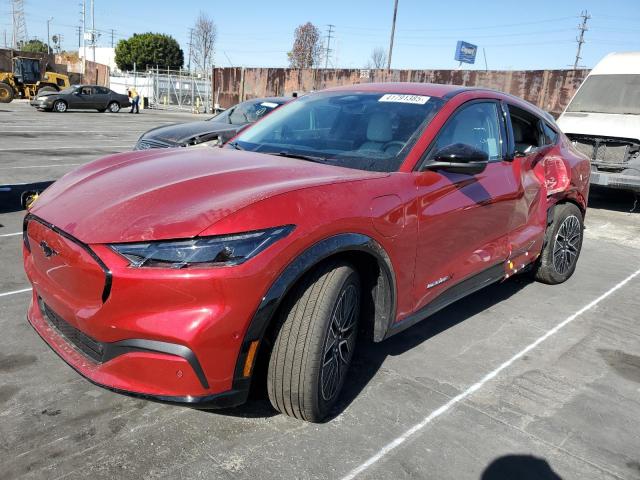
column 26, row 80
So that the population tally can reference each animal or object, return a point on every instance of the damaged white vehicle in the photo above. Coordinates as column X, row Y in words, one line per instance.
column 603, row 121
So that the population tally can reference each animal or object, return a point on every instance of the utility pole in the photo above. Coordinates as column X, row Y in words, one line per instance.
column 49, row 36
column 93, row 30
column 113, row 32
column 329, row 34
column 20, row 34
column 84, row 38
column 393, row 31
column 79, row 37
column 580, row 39
column 190, row 49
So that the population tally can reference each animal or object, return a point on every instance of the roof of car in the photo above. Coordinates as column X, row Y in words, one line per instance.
column 433, row 90
column 410, row 88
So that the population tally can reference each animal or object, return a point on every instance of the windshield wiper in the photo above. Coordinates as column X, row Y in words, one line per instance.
column 235, row 145
column 300, row 156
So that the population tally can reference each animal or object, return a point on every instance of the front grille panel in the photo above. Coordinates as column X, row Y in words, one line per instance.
column 147, row 144
column 611, row 153
column 75, row 337
column 584, row 147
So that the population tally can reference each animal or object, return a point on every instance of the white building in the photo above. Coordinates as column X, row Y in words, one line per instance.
column 104, row 55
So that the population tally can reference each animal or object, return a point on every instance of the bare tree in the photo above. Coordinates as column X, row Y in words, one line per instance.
column 204, row 39
column 307, row 49
column 378, row 58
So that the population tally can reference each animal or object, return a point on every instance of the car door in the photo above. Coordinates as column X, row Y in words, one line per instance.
column 82, row 98
column 531, row 141
column 464, row 219
column 101, row 97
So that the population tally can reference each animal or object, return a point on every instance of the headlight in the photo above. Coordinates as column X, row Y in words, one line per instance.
column 203, row 251
column 43, row 97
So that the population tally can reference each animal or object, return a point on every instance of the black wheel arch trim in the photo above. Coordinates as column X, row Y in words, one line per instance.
column 385, row 295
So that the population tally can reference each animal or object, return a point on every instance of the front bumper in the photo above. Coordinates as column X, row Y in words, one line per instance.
column 41, row 104
column 167, row 335
column 616, row 180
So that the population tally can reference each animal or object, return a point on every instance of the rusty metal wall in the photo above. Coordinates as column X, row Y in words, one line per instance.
column 550, row 90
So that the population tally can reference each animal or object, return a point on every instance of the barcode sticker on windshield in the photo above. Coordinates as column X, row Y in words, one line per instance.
column 269, row 104
column 399, row 98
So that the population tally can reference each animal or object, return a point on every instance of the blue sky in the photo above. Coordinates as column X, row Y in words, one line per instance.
column 515, row 35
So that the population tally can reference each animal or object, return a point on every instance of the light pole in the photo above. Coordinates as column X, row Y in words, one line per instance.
column 48, row 38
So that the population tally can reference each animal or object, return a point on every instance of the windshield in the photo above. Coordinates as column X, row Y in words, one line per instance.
column 246, row 112
column 608, row 94
column 366, row 131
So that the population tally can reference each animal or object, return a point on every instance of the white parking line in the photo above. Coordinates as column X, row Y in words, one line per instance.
column 477, row 386
column 41, row 166
column 66, row 148
column 5, row 294
column 10, row 234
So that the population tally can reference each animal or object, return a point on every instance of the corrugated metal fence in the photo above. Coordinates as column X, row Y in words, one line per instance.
column 550, row 90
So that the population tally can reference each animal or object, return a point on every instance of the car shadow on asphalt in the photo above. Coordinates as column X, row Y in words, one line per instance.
column 370, row 356
column 615, row 200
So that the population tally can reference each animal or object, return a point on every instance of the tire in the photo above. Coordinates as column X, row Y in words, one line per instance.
column 305, row 374
column 114, row 107
column 6, row 93
column 562, row 245
column 60, row 106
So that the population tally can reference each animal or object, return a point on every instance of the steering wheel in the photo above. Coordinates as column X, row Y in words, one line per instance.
column 392, row 143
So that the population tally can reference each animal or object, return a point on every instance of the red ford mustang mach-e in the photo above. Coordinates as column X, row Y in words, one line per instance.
column 177, row 275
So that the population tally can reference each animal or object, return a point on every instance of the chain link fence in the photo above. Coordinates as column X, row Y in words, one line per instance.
column 168, row 89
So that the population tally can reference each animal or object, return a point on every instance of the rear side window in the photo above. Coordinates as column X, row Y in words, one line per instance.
column 476, row 125
column 526, row 131
column 102, row 91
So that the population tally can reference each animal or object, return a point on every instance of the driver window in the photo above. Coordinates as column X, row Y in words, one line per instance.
column 475, row 125
column 240, row 115
column 85, row 91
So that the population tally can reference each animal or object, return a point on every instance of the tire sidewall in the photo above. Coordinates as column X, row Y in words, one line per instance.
column 350, row 276
column 114, row 107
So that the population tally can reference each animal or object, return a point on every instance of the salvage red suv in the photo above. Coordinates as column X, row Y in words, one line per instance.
column 180, row 275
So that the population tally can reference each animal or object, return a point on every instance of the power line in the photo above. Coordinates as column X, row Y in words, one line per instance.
column 580, row 39
column 328, row 52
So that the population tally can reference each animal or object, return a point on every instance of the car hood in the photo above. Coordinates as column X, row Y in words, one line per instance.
column 176, row 193
column 600, row 124
column 182, row 132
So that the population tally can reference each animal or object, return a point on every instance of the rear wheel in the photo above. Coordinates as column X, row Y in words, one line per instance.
column 60, row 106
column 563, row 243
column 6, row 93
column 314, row 346
column 114, row 107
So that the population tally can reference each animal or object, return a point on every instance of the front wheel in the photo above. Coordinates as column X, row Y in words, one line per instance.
column 60, row 106
column 563, row 243
column 114, row 107
column 314, row 346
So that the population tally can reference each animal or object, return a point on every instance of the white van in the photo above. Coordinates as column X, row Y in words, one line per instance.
column 603, row 121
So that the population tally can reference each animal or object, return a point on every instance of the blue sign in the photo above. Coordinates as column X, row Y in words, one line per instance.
column 466, row 52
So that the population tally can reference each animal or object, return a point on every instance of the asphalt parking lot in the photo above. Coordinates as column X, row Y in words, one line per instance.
column 518, row 377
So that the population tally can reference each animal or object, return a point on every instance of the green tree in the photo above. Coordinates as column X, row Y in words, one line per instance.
column 33, row 46
column 148, row 50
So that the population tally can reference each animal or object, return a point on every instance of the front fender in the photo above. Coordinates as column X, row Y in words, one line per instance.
column 385, row 292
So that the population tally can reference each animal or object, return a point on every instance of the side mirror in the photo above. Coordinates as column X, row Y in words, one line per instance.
column 459, row 158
